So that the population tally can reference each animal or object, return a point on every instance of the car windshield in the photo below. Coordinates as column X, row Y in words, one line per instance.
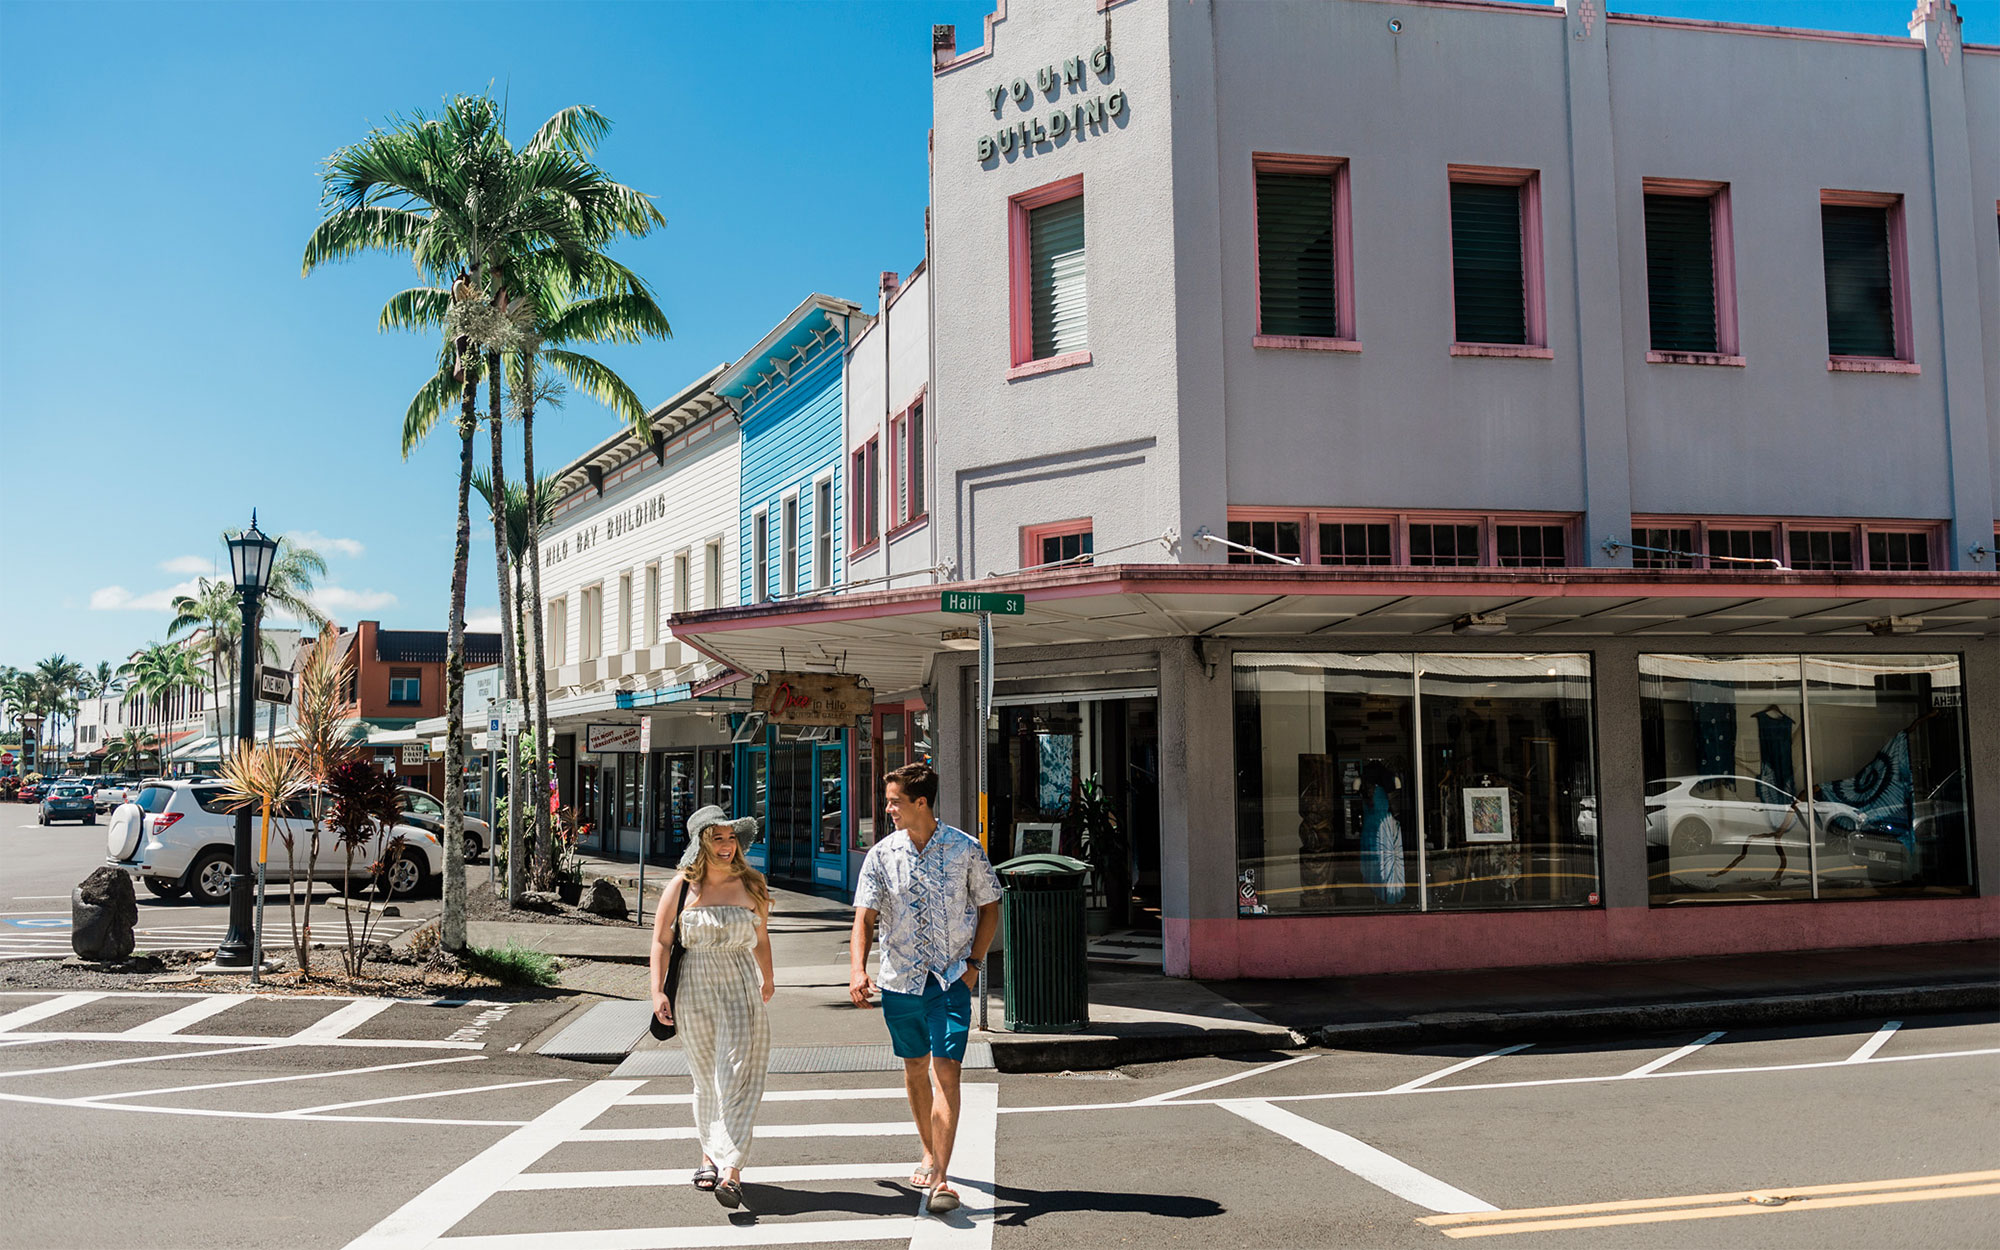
column 72, row 792
column 153, row 799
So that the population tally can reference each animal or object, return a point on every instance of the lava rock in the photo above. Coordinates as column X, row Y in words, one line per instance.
column 606, row 899
column 102, row 913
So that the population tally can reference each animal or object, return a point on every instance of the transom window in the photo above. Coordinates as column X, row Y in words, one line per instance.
column 1424, row 540
column 1058, row 542
column 1808, row 546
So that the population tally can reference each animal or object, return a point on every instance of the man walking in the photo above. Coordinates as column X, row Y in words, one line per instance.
column 938, row 901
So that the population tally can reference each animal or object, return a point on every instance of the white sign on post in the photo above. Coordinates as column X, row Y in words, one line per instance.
column 645, row 735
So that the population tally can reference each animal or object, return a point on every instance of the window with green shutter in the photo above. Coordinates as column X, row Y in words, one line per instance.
column 1860, row 288
column 1056, row 278
column 1296, row 281
column 1680, row 272
column 1488, row 289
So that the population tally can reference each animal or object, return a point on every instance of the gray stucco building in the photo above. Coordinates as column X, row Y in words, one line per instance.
column 1494, row 484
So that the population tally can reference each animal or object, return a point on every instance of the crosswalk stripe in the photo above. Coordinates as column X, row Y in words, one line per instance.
column 344, row 1021
column 1377, row 1167
column 685, row 1132
column 1647, row 1069
column 775, row 1095
column 814, row 1232
column 44, row 1009
column 174, row 1021
column 646, row 1178
column 972, row 1174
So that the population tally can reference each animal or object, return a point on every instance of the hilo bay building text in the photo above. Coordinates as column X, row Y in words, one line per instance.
column 1491, row 484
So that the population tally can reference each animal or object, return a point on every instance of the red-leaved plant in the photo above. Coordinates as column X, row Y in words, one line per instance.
column 363, row 807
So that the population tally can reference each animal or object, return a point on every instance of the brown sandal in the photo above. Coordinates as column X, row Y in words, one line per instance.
column 942, row 1198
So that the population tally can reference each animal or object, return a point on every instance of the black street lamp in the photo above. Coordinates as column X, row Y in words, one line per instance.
column 251, row 555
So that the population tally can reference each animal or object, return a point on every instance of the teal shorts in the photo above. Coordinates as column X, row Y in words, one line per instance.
column 935, row 1022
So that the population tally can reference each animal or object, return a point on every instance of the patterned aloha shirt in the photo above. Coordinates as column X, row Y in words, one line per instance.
column 928, row 902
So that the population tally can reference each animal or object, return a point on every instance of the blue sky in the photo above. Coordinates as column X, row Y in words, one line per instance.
column 164, row 368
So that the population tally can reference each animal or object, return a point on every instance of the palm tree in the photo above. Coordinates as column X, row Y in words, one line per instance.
column 159, row 670
column 455, row 196
column 56, row 682
column 128, row 752
column 212, row 612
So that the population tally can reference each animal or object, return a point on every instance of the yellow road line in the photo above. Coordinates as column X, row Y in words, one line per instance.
column 1811, row 1198
column 1635, row 1204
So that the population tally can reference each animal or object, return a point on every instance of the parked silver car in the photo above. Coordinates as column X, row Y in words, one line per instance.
column 422, row 809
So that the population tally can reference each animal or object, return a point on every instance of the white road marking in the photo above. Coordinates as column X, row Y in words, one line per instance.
column 174, row 1021
column 816, row 1232
column 428, row 1216
column 44, row 1009
column 1382, row 1170
column 646, row 1178
column 279, row 1080
column 435, row 1093
column 1455, row 1068
column 217, row 1114
column 686, row 1132
column 776, row 1095
column 972, row 1174
column 119, row 1063
column 1240, row 1076
column 1647, row 1069
column 290, row 1039
column 341, row 1022
column 1868, row 1048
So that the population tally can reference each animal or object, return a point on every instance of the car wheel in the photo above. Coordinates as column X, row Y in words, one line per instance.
column 165, row 887
column 208, row 879
column 1691, row 837
column 44, row 818
column 407, row 877
column 473, row 848
column 90, row 819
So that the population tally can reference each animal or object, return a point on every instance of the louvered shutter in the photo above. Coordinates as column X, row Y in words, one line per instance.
column 1860, row 314
column 1295, row 255
column 1055, row 275
column 1680, row 272
column 1486, row 263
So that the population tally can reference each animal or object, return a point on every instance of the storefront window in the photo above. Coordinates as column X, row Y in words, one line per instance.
column 1788, row 777
column 864, row 772
column 1393, row 782
column 832, row 785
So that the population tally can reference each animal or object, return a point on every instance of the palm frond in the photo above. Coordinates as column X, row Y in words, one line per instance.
column 620, row 318
column 419, row 308
column 597, row 380
column 433, row 399
column 575, row 129
column 350, row 231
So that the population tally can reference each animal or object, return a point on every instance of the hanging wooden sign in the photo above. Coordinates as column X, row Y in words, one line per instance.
column 811, row 698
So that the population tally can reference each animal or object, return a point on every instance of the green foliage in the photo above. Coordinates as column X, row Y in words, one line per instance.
column 514, row 964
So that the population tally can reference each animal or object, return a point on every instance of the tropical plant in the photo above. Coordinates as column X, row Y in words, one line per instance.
column 129, row 751
column 156, row 672
column 211, row 614
column 262, row 779
column 455, row 196
column 100, row 681
column 57, row 680
column 322, row 743
column 1104, row 845
column 362, row 805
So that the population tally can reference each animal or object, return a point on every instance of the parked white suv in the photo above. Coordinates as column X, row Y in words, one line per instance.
column 179, row 837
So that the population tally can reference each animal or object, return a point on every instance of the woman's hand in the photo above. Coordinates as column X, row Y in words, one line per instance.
column 770, row 988
column 663, row 1011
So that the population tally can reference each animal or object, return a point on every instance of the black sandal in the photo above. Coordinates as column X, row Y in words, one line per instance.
column 706, row 1176
column 729, row 1194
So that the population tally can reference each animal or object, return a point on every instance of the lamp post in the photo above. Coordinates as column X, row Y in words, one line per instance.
column 251, row 555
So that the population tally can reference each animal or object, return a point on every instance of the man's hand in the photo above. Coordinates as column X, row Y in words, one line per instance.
column 859, row 987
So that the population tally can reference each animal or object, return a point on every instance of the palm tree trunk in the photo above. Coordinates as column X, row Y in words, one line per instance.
column 544, row 740
column 510, row 671
column 517, row 864
column 452, row 925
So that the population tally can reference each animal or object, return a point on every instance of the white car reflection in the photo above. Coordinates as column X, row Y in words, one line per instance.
column 1690, row 814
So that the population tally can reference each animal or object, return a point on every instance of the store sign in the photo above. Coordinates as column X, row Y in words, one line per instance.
column 274, row 685
column 617, row 524
column 611, row 739
column 1077, row 116
column 811, row 698
column 415, row 755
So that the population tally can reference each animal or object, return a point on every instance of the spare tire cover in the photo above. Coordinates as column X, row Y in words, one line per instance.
column 127, row 828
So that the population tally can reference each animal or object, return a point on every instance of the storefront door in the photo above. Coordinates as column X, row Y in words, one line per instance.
column 830, row 785
column 673, row 802
column 793, row 811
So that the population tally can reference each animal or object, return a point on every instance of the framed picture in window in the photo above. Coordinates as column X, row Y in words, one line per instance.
column 1488, row 815
column 1035, row 837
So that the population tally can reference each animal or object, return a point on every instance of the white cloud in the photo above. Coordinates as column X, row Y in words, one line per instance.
column 326, row 546
column 483, row 622
column 186, row 565
column 336, row 600
column 119, row 599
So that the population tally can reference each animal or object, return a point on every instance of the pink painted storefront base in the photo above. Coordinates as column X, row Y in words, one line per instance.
column 1324, row 946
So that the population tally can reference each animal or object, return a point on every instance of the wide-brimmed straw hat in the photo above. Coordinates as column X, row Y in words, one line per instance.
column 702, row 818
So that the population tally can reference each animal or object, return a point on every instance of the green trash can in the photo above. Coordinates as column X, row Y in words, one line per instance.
column 1041, row 918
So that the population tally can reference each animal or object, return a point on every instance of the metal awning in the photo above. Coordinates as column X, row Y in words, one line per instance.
column 893, row 636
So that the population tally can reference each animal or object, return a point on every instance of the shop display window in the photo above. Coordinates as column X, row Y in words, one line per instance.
column 1399, row 782
column 1787, row 777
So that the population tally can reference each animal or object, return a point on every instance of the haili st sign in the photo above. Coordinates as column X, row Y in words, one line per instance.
column 1062, row 86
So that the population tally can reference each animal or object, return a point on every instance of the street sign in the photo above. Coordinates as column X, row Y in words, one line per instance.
column 482, row 741
column 274, row 685
column 811, row 698
column 645, row 735
column 983, row 601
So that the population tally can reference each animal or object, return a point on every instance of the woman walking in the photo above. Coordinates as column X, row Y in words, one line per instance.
column 723, row 908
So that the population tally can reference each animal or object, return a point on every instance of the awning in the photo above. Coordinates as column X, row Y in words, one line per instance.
column 893, row 636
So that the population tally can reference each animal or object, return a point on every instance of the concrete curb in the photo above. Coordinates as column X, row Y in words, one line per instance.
column 1062, row 1052
column 1657, row 1017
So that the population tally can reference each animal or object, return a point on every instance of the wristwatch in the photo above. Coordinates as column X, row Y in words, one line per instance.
column 971, row 962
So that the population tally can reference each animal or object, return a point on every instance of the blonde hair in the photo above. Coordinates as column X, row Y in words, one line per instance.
column 740, row 868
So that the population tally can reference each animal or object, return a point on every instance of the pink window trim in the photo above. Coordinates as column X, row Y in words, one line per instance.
column 1343, row 251
column 1305, row 343
column 1695, row 358
column 1513, row 351
column 1871, row 364
column 1021, row 316
column 1782, row 528
column 892, row 481
column 1051, row 364
column 1899, row 273
column 1032, row 536
column 1399, row 522
column 1534, row 283
column 863, row 511
column 1722, row 236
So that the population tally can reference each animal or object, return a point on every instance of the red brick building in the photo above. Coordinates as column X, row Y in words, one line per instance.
column 398, row 680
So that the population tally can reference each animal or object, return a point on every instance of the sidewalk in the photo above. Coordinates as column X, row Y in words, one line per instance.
column 1138, row 1017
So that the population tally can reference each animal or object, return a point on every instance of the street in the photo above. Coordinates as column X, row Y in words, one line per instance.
column 41, row 865
column 216, row 1120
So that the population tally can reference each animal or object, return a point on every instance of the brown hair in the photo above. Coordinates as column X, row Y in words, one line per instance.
column 916, row 781
column 739, row 868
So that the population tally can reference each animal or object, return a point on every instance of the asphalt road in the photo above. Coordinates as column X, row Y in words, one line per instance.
column 333, row 1124
column 40, row 866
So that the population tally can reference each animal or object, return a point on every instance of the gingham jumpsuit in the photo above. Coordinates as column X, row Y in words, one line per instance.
column 724, row 1027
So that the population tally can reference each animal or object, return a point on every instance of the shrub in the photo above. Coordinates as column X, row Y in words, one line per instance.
column 514, row 964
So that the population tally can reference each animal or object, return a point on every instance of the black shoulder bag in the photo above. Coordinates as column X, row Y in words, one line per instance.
column 672, row 984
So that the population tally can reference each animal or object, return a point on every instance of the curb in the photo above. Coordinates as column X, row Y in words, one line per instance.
column 1777, row 1009
column 1062, row 1052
